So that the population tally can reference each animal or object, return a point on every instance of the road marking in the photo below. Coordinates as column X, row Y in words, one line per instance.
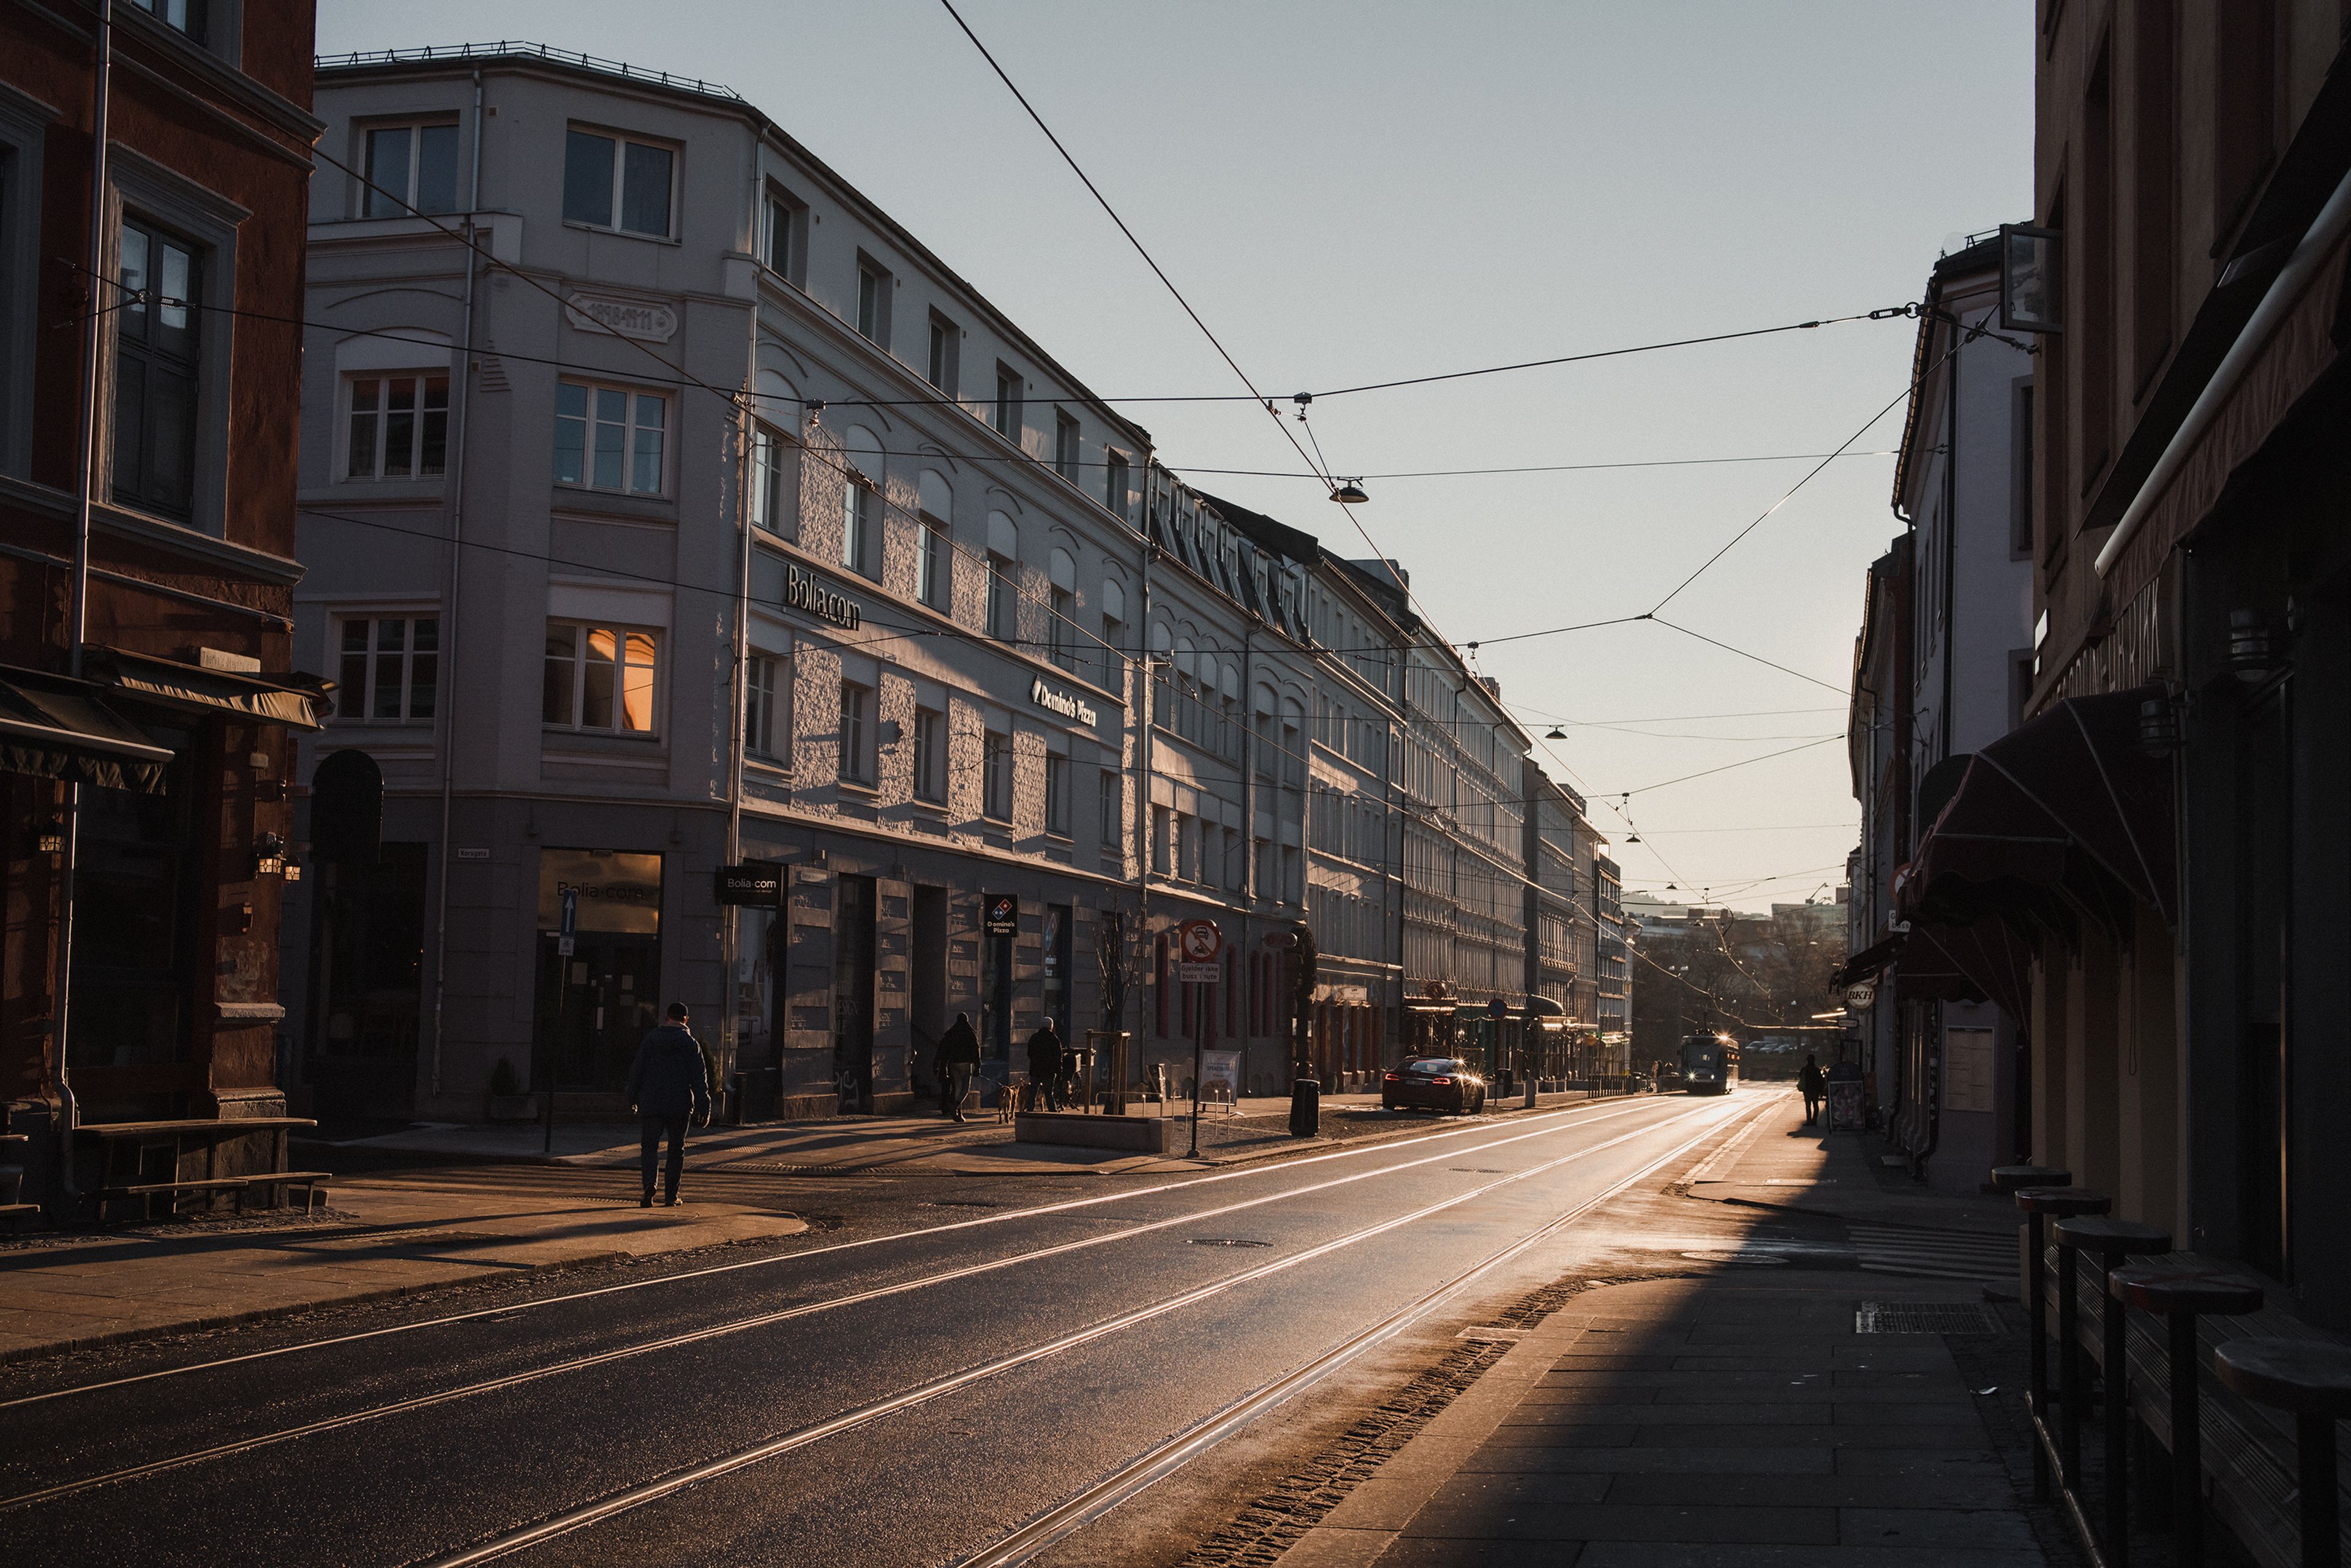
column 707, row 1271
column 650, row 1492
column 762, row 1319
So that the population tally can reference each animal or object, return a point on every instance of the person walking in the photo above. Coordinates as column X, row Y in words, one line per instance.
column 1045, row 1065
column 668, row 1081
column 958, row 1059
column 1809, row 1080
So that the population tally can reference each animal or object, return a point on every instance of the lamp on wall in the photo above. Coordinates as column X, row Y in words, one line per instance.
column 49, row 838
column 268, row 855
column 2159, row 725
column 2255, row 649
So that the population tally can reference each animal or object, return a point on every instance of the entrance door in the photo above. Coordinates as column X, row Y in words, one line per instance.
column 926, row 983
column 596, row 1006
column 853, row 993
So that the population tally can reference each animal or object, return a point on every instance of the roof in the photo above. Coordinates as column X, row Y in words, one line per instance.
column 1266, row 533
column 1969, row 261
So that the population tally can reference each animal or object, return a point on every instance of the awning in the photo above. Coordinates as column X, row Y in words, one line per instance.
column 1985, row 961
column 2064, row 815
column 55, row 727
column 295, row 698
column 1870, row 961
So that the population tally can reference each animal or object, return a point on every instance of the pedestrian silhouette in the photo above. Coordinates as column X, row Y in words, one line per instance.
column 667, row 1083
column 1810, row 1081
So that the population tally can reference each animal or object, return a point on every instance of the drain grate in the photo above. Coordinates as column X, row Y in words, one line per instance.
column 1225, row 1242
column 1923, row 1317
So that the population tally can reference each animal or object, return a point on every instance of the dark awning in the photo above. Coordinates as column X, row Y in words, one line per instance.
column 2060, row 816
column 1984, row 961
column 295, row 699
column 1867, row 962
column 55, row 727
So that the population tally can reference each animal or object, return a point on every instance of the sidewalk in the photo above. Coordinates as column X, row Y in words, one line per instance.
column 84, row 1289
column 1744, row 1417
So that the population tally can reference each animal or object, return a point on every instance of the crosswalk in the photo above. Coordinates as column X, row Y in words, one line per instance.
column 1936, row 1254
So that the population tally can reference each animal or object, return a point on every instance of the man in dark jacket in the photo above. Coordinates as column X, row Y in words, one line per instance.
column 1045, row 1065
column 667, row 1082
column 957, row 1059
column 1811, row 1083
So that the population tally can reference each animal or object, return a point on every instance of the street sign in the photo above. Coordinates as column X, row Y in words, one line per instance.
column 570, row 923
column 1002, row 915
column 1199, row 945
column 563, row 947
column 1497, row 1009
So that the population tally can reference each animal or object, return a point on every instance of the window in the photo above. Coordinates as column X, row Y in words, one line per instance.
column 1162, row 839
column 1057, row 794
column 1114, row 486
column 768, row 492
column 186, row 16
column 156, row 347
column 856, row 733
column 856, row 524
column 873, row 303
column 1065, row 447
column 995, row 776
column 931, row 567
column 947, row 343
column 610, row 439
column 391, row 666
column 614, row 182
column 1062, row 632
column 1008, row 402
column 1113, row 808
column 759, row 731
column 598, row 678
column 780, row 229
column 399, row 428
column 411, row 169
column 1003, row 618
column 930, row 754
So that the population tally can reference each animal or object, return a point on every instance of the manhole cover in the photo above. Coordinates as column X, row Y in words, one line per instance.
column 1923, row 1317
column 1225, row 1242
column 1745, row 1260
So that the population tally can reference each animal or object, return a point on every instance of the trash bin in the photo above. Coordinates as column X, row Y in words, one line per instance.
column 1305, row 1107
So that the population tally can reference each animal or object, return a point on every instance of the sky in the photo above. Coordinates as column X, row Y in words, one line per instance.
column 1352, row 193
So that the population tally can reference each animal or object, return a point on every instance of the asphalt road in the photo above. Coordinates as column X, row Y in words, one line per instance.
column 907, row 1396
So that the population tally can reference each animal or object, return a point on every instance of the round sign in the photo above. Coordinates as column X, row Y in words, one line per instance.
column 1200, row 940
column 1860, row 995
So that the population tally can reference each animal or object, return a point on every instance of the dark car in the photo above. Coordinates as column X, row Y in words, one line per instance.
column 1434, row 1084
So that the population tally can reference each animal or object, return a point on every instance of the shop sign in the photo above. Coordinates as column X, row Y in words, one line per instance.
column 646, row 322
column 755, row 883
column 611, row 891
column 1062, row 702
column 803, row 590
column 1001, row 914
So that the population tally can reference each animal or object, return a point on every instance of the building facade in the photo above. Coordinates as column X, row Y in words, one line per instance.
column 1951, row 1060
column 154, row 168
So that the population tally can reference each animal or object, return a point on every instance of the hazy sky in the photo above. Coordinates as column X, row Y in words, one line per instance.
column 1352, row 193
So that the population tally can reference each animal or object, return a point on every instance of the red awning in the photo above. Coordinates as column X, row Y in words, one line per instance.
column 2064, row 815
column 1984, row 961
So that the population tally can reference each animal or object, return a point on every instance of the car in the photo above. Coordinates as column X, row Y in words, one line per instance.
column 1434, row 1084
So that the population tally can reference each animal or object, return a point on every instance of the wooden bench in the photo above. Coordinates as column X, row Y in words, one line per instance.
column 312, row 1183
column 181, row 1137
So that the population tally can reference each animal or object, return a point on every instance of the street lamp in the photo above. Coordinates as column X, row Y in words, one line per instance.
column 1350, row 493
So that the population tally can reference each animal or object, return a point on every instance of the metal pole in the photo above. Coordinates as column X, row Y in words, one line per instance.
column 448, row 708
column 1199, row 1039
column 76, row 630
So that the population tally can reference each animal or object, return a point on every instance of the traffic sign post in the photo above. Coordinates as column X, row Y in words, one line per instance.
column 1199, row 945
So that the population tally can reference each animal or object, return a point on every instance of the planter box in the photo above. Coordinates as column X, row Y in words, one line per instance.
column 1133, row 1134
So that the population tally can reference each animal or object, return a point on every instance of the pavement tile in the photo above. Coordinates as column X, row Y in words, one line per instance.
column 1604, row 1521
column 1971, row 1529
column 1631, row 1461
column 1877, row 1459
column 1719, row 1414
column 1824, row 1436
column 1679, row 1554
column 1494, row 1488
column 1788, row 1392
column 1438, row 1553
column 1555, row 1435
column 1821, row 1491
column 1858, row 1412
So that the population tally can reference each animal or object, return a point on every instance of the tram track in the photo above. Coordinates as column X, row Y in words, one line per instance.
column 1163, row 1459
column 343, row 1421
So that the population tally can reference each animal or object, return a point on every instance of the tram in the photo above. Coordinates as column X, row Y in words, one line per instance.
column 1709, row 1063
